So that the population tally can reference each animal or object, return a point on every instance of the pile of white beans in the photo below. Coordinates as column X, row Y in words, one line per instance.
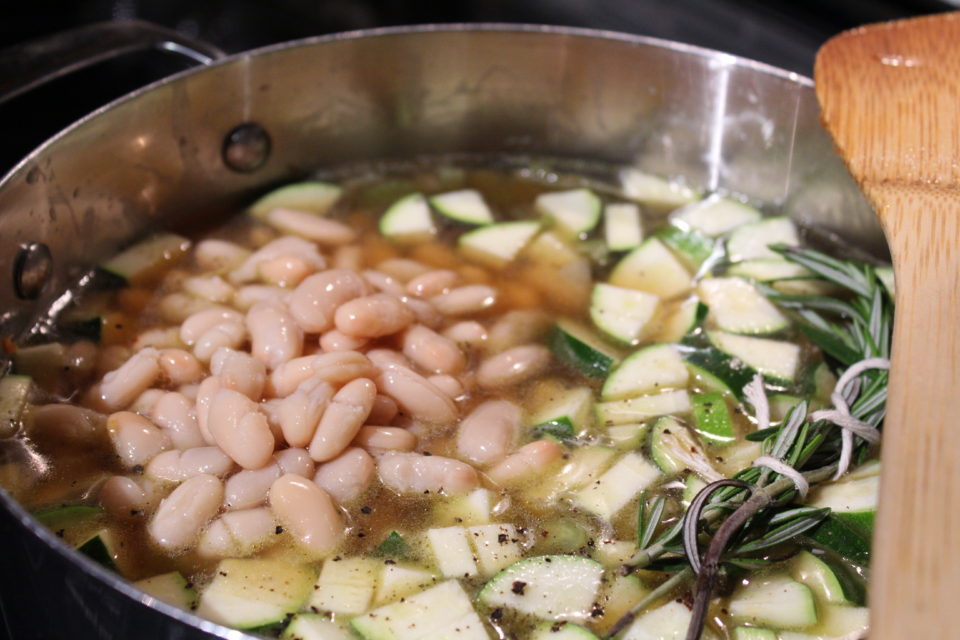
column 286, row 381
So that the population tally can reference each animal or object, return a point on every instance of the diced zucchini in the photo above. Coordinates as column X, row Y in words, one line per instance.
column 643, row 408
column 775, row 601
column 619, row 593
column 780, row 405
column 565, row 415
column 465, row 205
column 451, row 550
column 408, row 220
column 652, row 369
column 582, row 350
column 253, row 593
column 345, row 585
column 655, row 191
column 313, row 196
column 393, row 546
column 574, row 212
column 42, row 362
column 692, row 247
column 837, row 622
column 314, row 626
column 674, row 449
column 753, row 633
column 497, row 546
column 852, row 501
column 469, row 509
column 585, row 465
column 627, row 437
column 681, row 320
column 399, row 581
column 551, row 250
column 547, row 587
column 768, row 269
column 102, row 547
column 736, row 306
column 622, row 229
column 715, row 215
column 172, row 588
column 817, row 574
column 714, row 370
column 14, row 395
column 653, row 268
column 559, row 536
column 712, row 419
column 146, row 258
column 691, row 487
column 554, row 631
column 666, row 622
column 618, row 486
column 753, row 240
column 74, row 524
column 497, row 245
column 773, row 358
column 443, row 612
column 623, row 314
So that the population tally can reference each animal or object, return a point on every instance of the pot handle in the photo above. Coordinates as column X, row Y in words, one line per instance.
column 30, row 64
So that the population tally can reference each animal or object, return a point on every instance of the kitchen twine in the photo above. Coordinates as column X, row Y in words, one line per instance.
column 844, row 393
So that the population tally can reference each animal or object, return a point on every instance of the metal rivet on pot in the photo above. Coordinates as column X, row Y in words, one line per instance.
column 246, row 147
column 31, row 270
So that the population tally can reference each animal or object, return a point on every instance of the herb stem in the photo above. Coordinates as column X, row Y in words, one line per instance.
column 627, row 619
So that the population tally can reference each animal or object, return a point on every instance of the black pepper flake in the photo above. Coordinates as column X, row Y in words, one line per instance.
column 137, row 468
column 548, row 560
column 365, row 509
column 388, row 561
column 337, row 558
column 278, row 530
column 361, row 535
column 60, row 533
column 502, row 538
column 223, row 573
column 496, row 615
column 427, row 453
column 518, row 587
column 596, row 612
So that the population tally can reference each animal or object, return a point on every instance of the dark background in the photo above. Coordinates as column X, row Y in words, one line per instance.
column 782, row 33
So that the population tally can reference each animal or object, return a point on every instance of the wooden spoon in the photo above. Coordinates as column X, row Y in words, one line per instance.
column 890, row 95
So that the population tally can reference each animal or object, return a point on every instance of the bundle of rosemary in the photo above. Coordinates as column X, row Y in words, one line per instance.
column 759, row 508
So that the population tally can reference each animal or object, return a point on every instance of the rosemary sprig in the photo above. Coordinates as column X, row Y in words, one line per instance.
column 754, row 509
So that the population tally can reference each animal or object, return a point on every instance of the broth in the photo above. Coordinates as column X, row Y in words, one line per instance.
column 550, row 510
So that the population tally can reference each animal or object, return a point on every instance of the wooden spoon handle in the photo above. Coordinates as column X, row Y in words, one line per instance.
column 891, row 98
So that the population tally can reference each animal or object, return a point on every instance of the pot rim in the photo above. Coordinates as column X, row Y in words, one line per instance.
column 113, row 580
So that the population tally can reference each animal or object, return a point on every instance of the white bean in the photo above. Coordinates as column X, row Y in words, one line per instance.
column 529, row 460
column 415, row 395
column 291, row 374
column 424, row 312
column 66, row 424
column 342, row 419
column 180, row 367
column 160, row 338
column 135, row 439
column 239, row 371
column 121, row 387
column 208, row 388
column 348, row 257
column 448, row 384
column 296, row 461
column 432, row 283
column 384, row 357
column 346, row 476
column 199, row 323
column 308, row 513
column 488, row 432
column 177, row 415
column 333, row 340
column 513, row 366
column 380, row 439
column 219, row 255
column 372, row 316
column 226, row 334
column 431, row 351
column 417, row 473
column 274, row 334
column 315, row 301
column 467, row 332
column 238, row 534
column 240, row 429
column 285, row 271
column 286, row 246
column 146, row 401
column 517, row 327
column 465, row 300
column 251, row 294
column 175, row 465
column 300, row 412
column 384, row 410
column 384, row 283
column 323, row 231
column 402, row 269
column 212, row 288
column 183, row 513
column 122, row 497
column 249, row 488
column 177, row 307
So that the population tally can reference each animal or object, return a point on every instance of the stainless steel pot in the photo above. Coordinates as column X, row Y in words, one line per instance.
column 211, row 138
